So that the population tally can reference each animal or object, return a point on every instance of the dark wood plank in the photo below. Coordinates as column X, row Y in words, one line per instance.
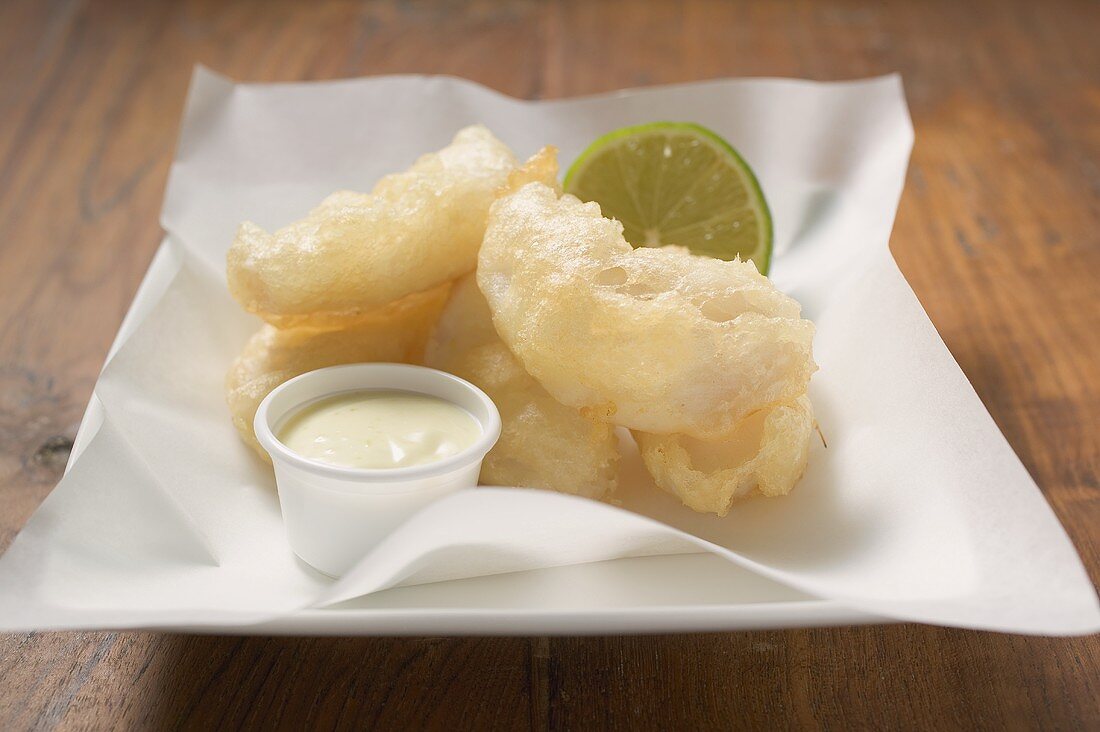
column 997, row 232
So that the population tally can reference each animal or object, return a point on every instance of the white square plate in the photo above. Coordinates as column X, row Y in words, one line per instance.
column 918, row 509
column 681, row 593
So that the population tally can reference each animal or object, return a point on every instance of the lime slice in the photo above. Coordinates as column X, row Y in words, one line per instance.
column 677, row 183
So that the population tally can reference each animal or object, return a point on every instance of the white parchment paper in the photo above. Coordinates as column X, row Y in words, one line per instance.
column 918, row 509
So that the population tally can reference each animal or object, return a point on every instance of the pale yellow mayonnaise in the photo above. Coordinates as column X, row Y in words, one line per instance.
column 373, row 428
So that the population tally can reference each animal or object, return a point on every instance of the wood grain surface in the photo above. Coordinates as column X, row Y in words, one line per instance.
column 998, row 232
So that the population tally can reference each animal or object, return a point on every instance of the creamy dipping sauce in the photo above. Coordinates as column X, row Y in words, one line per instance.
column 373, row 428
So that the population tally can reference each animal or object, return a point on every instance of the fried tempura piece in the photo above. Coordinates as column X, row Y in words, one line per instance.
column 543, row 444
column 542, row 167
column 397, row 332
column 358, row 251
column 658, row 340
column 767, row 452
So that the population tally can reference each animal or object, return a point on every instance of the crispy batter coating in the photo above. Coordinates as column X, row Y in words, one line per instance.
column 542, row 167
column 565, row 326
column 397, row 332
column 543, row 444
column 358, row 251
column 658, row 340
column 767, row 453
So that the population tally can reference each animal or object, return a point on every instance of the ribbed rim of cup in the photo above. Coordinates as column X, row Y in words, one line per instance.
column 490, row 426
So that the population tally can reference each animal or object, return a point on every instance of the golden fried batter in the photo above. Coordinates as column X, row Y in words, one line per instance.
column 543, row 444
column 658, row 340
column 358, row 251
column 767, row 452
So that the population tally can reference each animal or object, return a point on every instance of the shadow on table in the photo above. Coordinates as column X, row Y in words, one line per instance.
column 877, row 676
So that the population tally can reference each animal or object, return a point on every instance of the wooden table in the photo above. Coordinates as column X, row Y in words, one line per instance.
column 998, row 232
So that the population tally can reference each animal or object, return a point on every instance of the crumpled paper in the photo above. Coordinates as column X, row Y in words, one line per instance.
column 917, row 509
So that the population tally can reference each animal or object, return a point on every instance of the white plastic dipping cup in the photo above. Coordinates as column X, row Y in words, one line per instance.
column 334, row 515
